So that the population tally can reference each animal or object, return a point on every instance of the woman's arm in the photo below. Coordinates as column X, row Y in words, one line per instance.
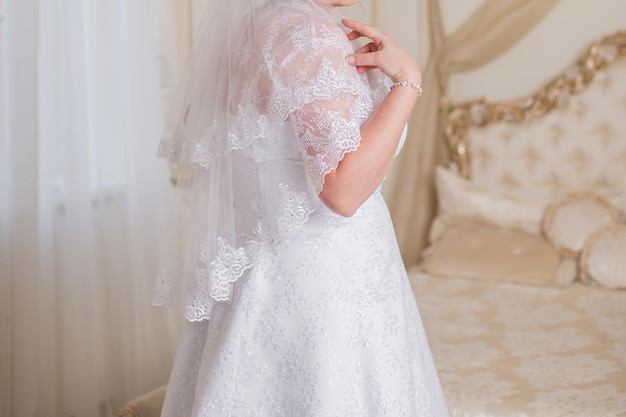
column 361, row 172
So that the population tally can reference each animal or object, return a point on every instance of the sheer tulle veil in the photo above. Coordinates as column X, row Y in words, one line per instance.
column 198, row 138
column 203, row 93
column 246, row 75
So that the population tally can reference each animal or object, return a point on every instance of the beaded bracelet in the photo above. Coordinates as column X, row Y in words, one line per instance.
column 408, row 84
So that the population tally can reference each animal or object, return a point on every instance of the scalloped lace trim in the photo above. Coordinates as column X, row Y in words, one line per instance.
column 228, row 266
column 216, row 284
column 200, row 152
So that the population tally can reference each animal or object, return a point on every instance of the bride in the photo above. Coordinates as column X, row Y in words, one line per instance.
column 282, row 257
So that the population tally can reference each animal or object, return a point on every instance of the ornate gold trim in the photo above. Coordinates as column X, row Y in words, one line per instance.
column 458, row 118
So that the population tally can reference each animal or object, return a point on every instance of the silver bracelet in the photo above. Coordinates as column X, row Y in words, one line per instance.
column 408, row 84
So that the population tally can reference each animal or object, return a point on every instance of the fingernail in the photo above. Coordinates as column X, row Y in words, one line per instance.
column 350, row 60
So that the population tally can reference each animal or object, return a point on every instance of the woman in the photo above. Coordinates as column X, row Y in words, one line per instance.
column 288, row 270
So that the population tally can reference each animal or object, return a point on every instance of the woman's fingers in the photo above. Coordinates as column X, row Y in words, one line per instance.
column 370, row 47
column 361, row 70
column 364, row 59
column 361, row 29
column 354, row 35
column 383, row 53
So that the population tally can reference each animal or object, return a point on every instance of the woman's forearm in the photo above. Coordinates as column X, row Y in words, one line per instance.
column 361, row 172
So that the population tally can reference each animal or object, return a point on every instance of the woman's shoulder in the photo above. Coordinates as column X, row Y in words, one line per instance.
column 301, row 22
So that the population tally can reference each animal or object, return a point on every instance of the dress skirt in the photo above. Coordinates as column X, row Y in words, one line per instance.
column 324, row 325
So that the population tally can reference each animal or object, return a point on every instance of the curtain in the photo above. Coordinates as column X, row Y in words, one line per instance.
column 83, row 201
column 491, row 30
column 177, row 24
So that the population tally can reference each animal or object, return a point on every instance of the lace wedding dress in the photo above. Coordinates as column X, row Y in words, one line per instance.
column 292, row 309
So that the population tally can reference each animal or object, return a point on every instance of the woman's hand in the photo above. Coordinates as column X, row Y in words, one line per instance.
column 383, row 52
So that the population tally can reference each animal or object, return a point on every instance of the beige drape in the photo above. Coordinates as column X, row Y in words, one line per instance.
column 491, row 30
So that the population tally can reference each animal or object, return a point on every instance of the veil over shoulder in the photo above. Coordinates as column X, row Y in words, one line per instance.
column 267, row 108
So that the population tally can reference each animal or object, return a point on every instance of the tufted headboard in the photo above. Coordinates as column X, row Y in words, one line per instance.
column 569, row 135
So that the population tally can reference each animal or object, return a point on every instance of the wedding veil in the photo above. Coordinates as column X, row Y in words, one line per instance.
column 242, row 88
column 197, row 138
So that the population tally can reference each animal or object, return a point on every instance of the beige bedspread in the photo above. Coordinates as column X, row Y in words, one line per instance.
column 512, row 350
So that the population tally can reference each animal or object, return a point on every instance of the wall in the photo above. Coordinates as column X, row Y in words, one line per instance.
column 546, row 52
column 402, row 19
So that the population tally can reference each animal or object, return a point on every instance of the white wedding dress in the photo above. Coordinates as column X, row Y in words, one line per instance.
column 309, row 313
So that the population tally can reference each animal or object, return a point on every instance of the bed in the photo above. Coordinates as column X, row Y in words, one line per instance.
column 523, row 287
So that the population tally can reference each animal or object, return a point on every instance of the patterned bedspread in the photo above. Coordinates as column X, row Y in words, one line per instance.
column 512, row 350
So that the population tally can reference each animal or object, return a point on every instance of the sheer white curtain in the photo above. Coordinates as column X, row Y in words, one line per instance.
column 82, row 202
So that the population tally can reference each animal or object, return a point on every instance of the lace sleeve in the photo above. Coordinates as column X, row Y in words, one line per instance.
column 325, row 132
column 324, row 98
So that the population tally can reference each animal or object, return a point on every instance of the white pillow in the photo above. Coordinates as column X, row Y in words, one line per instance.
column 486, row 252
column 603, row 259
column 571, row 219
column 460, row 197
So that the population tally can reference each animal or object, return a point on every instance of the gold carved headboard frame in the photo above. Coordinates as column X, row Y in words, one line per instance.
column 459, row 118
